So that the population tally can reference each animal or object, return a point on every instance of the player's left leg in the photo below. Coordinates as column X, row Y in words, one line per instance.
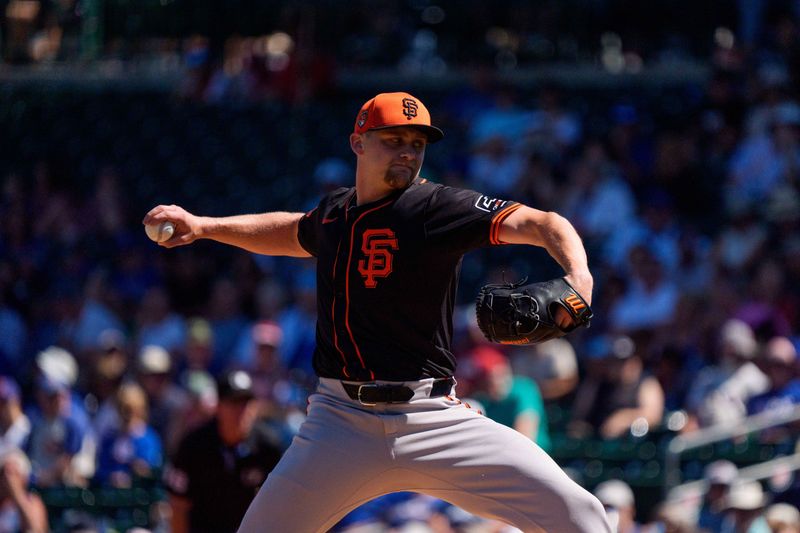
column 338, row 461
column 493, row 471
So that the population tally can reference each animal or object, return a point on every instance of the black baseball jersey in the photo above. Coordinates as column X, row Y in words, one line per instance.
column 387, row 273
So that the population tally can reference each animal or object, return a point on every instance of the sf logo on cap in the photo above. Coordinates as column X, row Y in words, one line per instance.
column 409, row 108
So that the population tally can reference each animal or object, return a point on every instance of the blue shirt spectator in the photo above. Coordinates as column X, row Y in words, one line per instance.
column 779, row 361
column 132, row 449
column 56, row 437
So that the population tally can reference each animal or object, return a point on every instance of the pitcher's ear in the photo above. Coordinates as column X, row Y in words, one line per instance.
column 357, row 143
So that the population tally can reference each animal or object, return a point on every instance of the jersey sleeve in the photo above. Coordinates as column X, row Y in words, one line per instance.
column 308, row 231
column 462, row 220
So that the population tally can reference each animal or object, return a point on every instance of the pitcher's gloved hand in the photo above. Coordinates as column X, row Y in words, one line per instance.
column 516, row 313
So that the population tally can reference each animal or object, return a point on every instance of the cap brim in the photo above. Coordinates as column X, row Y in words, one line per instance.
column 433, row 133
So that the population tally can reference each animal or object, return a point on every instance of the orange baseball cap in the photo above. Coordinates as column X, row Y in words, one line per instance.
column 390, row 110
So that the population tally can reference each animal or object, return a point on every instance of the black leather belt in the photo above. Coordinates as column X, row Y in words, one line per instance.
column 374, row 393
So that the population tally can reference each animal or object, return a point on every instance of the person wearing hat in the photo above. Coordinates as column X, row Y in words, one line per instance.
column 617, row 497
column 388, row 256
column 166, row 399
column 514, row 401
column 553, row 365
column 720, row 475
column 783, row 518
column 219, row 466
column 56, row 436
column 745, row 503
column 779, row 360
column 624, row 395
column 266, row 366
column 720, row 392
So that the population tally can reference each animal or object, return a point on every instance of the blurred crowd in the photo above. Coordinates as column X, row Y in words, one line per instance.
column 123, row 365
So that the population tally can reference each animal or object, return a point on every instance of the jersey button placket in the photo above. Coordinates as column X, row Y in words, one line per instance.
column 340, row 295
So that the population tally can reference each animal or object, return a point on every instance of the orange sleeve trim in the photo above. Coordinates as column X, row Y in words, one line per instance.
column 497, row 222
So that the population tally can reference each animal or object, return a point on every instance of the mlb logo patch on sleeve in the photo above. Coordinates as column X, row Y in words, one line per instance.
column 484, row 203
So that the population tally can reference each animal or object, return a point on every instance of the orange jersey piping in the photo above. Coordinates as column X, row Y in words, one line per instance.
column 497, row 221
column 347, row 284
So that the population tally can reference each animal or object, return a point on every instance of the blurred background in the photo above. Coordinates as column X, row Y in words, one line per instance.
column 668, row 132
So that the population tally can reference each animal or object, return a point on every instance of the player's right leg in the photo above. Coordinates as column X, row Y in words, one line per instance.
column 493, row 471
column 337, row 461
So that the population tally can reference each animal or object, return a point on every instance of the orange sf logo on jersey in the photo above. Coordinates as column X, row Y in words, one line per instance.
column 377, row 245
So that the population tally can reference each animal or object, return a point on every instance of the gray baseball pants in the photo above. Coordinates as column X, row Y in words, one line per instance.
column 346, row 454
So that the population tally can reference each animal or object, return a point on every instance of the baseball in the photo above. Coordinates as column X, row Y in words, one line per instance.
column 160, row 232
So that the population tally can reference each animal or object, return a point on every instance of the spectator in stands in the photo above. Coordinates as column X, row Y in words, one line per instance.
column 220, row 466
column 166, row 399
column 720, row 391
column 105, row 376
column 299, row 335
column 745, row 503
column 617, row 497
column 20, row 509
column 779, row 360
column 96, row 315
column 514, row 401
column 266, row 368
column 158, row 324
column 765, row 161
column 741, row 242
column 57, row 366
column 271, row 300
column 200, row 409
column 553, row 128
column 199, row 349
column 281, row 391
column 505, row 119
column 720, row 475
column 495, row 167
column 15, row 427
column 650, row 299
column 783, row 518
column 56, row 437
column 552, row 365
column 226, row 320
column 770, row 301
column 596, row 199
column 133, row 449
column 623, row 395
column 669, row 517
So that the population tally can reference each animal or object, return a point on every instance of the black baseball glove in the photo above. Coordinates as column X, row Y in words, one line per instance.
column 514, row 313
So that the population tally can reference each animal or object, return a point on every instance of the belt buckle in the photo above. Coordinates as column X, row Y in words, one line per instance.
column 360, row 388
